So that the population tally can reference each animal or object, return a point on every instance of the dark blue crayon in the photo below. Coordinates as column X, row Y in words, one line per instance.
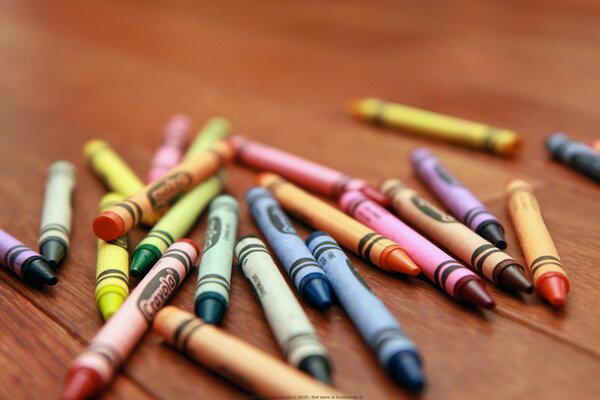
column 575, row 154
column 307, row 276
column 395, row 352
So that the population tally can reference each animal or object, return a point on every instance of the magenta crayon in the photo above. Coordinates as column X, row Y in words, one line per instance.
column 175, row 140
column 443, row 270
column 93, row 370
column 458, row 199
column 24, row 262
column 308, row 174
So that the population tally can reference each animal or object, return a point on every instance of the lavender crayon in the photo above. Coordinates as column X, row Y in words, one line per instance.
column 24, row 262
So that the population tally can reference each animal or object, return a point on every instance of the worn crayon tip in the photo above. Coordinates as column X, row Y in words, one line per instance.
column 108, row 226
column 143, row 260
column 394, row 259
column 82, row 383
column 318, row 367
column 38, row 272
column 405, row 368
column 473, row 291
column 211, row 308
column 354, row 107
column 494, row 234
column 554, row 288
column 53, row 251
column 514, row 278
column 109, row 303
column 317, row 291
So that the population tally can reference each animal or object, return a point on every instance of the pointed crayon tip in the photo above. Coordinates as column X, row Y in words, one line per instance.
column 474, row 292
column 38, row 272
column 210, row 309
column 82, row 383
column 109, row 303
column 494, row 234
column 514, row 278
column 405, row 368
column 53, row 251
column 395, row 259
column 143, row 260
column 317, row 291
column 318, row 367
column 553, row 288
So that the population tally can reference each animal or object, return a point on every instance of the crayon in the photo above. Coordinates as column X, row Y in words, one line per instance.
column 112, row 267
column 56, row 215
column 458, row 199
column 481, row 255
column 304, row 272
column 291, row 327
column 175, row 224
column 249, row 367
column 214, row 130
column 175, row 141
column 305, row 173
column 93, row 370
column 549, row 276
column 119, row 219
column 451, row 129
column 595, row 145
column 396, row 353
column 575, row 154
column 443, row 270
column 350, row 233
column 24, row 262
column 214, row 275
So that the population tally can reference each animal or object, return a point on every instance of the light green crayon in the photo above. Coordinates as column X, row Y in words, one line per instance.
column 213, row 131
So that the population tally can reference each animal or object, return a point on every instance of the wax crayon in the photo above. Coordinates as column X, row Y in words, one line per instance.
column 427, row 123
column 24, row 262
column 176, row 139
column 304, row 272
column 56, row 215
column 448, row 232
column 350, row 233
column 93, row 370
column 112, row 267
column 119, row 219
column 175, row 224
column 291, row 327
column 458, row 199
column 308, row 174
column 396, row 353
column 443, row 270
column 595, row 145
column 549, row 276
column 214, row 130
column 214, row 275
column 251, row 368
column 575, row 154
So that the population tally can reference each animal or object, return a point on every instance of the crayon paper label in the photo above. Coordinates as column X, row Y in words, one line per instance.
column 358, row 277
column 213, row 233
column 165, row 189
column 445, row 175
column 430, row 210
column 280, row 220
column 157, row 292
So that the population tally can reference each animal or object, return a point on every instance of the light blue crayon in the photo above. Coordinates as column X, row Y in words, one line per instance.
column 300, row 265
column 396, row 353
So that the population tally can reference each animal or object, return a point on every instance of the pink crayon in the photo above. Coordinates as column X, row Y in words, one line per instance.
column 447, row 273
column 93, row 370
column 308, row 174
column 175, row 141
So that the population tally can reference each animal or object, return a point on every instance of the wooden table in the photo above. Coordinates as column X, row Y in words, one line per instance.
column 282, row 72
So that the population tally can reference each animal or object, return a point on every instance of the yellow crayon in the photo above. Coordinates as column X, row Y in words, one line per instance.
column 439, row 126
column 215, row 129
column 112, row 268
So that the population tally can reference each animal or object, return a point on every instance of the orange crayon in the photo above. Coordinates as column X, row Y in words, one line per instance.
column 549, row 276
column 350, row 233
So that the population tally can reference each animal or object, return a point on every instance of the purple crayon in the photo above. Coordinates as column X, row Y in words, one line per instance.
column 447, row 273
column 24, row 262
column 176, row 139
column 457, row 198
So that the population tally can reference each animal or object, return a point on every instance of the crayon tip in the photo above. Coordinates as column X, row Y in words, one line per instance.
column 317, row 291
column 108, row 226
column 143, row 260
column 553, row 287
column 82, row 383
column 318, row 367
column 514, row 278
column 38, row 272
column 473, row 291
column 394, row 259
column 494, row 234
column 405, row 368
column 53, row 251
column 354, row 107
column 210, row 308
column 109, row 303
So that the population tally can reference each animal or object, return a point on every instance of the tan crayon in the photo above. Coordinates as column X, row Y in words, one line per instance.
column 549, row 276
column 119, row 219
column 245, row 365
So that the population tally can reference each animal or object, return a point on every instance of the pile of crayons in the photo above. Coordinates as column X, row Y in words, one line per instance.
column 391, row 227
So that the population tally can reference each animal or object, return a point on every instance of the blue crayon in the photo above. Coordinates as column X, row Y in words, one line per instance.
column 575, row 154
column 307, row 276
column 396, row 353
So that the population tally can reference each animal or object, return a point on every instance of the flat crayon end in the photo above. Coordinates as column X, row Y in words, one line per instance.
column 473, row 291
column 38, row 272
column 108, row 226
column 405, row 368
column 109, row 303
column 493, row 233
column 82, row 383
column 53, row 251
column 318, row 367
column 514, row 278
column 211, row 308
column 394, row 259
column 143, row 260
column 317, row 291
column 553, row 287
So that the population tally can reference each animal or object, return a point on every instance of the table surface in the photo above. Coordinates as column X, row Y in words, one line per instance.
column 282, row 73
